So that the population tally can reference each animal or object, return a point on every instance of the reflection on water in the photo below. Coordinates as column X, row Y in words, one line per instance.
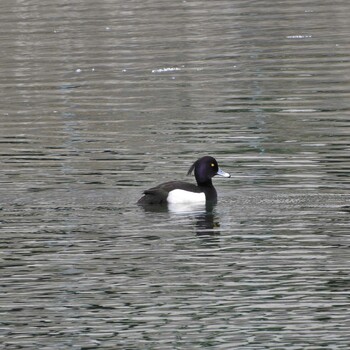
column 203, row 217
column 207, row 224
column 98, row 103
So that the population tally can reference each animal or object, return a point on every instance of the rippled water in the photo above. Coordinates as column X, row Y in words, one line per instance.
column 101, row 101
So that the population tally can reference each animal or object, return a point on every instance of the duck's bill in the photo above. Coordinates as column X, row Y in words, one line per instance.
column 222, row 173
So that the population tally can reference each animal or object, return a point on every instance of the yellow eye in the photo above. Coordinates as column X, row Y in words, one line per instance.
column 212, row 165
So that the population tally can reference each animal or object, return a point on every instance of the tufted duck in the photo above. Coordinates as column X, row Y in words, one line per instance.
column 183, row 192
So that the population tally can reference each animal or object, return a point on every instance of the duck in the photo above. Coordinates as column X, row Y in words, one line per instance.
column 177, row 192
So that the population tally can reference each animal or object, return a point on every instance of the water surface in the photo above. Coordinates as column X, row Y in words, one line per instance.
column 101, row 102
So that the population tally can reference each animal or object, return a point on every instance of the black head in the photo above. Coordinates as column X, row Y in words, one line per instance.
column 204, row 169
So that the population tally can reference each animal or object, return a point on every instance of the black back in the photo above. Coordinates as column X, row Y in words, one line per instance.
column 159, row 194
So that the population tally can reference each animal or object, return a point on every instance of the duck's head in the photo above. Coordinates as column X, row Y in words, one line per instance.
column 205, row 169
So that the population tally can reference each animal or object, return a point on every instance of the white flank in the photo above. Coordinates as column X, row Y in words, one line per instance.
column 182, row 196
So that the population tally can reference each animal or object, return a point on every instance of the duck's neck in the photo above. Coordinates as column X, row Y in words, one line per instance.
column 207, row 183
column 209, row 190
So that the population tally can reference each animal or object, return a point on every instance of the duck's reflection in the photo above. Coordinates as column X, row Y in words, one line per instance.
column 204, row 215
column 207, row 224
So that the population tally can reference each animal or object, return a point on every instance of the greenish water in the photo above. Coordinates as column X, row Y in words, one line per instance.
column 101, row 102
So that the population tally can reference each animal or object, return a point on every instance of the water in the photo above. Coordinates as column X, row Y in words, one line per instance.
column 101, row 102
